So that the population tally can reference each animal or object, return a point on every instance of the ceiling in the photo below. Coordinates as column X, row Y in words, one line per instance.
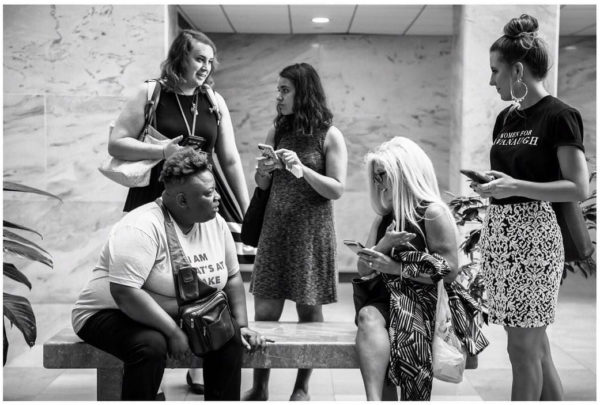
column 432, row 19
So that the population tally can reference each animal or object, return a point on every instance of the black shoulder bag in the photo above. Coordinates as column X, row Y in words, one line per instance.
column 255, row 214
column 203, row 310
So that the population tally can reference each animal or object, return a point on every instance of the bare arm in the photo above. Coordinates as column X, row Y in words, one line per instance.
column 229, row 157
column 361, row 266
column 237, row 298
column 141, row 307
column 123, row 143
column 263, row 175
column 573, row 187
column 332, row 184
column 441, row 239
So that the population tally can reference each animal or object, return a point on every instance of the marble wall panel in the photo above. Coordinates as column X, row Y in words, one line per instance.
column 77, row 145
column 577, row 85
column 73, row 233
column 81, row 49
column 24, row 142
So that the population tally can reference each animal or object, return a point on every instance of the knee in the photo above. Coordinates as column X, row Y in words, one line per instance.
column 309, row 313
column 266, row 311
column 152, row 346
column 369, row 318
column 522, row 351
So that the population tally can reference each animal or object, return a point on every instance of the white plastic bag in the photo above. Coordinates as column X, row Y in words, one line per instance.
column 449, row 355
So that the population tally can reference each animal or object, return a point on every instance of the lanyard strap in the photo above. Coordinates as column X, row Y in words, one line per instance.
column 178, row 258
column 194, row 112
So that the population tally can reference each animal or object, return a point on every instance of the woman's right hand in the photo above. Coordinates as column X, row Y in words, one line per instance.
column 392, row 239
column 265, row 166
column 178, row 344
column 172, row 146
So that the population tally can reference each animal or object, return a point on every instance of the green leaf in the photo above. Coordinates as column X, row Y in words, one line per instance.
column 8, row 224
column 11, row 271
column 11, row 186
column 27, row 252
column 18, row 310
column 18, row 238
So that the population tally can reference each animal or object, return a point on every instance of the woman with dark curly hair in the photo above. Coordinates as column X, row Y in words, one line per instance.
column 129, row 306
column 537, row 157
column 296, row 250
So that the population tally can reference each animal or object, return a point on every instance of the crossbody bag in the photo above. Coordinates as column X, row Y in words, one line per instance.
column 204, row 311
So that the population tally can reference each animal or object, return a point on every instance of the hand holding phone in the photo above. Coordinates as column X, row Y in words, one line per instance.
column 268, row 152
column 353, row 245
column 196, row 142
column 477, row 177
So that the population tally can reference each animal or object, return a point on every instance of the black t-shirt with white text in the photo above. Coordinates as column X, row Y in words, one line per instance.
column 525, row 142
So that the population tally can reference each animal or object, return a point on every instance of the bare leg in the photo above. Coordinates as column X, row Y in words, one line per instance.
column 552, row 389
column 373, row 348
column 526, row 350
column 264, row 310
column 306, row 313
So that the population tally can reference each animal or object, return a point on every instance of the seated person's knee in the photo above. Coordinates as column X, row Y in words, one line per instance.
column 152, row 346
column 369, row 317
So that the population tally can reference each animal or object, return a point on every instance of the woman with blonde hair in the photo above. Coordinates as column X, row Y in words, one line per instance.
column 414, row 245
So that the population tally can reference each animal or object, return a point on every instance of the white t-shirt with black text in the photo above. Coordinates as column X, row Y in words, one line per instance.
column 136, row 254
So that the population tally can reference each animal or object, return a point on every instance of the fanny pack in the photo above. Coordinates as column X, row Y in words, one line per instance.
column 204, row 311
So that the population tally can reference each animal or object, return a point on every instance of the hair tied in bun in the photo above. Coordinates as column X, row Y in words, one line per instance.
column 527, row 35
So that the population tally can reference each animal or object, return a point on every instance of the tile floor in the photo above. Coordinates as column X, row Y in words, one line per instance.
column 572, row 337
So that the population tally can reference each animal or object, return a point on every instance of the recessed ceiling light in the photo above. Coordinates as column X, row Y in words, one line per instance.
column 320, row 20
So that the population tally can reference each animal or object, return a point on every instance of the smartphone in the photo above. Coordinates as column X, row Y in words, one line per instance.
column 477, row 177
column 196, row 142
column 353, row 245
column 268, row 151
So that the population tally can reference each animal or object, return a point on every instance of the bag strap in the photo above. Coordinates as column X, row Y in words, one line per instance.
column 178, row 258
column 153, row 96
column 212, row 99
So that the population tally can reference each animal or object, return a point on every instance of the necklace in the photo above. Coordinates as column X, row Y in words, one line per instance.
column 194, row 113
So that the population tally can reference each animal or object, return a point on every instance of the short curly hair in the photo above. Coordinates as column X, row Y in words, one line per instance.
column 183, row 164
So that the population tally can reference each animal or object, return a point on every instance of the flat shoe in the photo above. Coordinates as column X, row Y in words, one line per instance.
column 196, row 388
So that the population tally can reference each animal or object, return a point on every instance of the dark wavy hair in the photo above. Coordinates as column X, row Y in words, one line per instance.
column 310, row 107
column 521, row 43
column 173, row 68
column 183, row 164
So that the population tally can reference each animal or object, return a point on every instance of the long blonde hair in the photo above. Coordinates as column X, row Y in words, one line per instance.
column 412, row 177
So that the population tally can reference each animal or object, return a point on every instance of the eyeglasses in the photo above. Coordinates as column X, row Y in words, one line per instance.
column 379, row 178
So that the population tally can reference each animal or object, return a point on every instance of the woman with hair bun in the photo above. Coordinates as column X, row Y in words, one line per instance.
column 537, row 158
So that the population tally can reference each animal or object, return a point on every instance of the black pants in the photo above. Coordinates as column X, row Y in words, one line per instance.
column 143, row 351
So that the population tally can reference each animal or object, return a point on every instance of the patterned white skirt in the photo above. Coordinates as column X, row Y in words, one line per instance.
column 522, row 263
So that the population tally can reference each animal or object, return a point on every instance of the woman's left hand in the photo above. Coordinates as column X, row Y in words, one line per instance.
column 289, row 157
column 377, row 261
column 502, row 186
column 252, row 339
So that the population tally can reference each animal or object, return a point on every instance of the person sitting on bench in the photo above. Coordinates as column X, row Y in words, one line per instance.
column 128, row 307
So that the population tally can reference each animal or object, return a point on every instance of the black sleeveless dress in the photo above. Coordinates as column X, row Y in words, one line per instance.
column 170, row 123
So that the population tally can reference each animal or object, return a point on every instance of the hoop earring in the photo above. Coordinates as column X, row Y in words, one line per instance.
column 515, row 99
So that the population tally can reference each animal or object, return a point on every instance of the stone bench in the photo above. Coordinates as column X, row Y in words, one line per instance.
column 297, row 345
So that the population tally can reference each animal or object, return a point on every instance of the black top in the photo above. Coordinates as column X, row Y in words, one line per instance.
column 525, row 142
column 170, row 123
column 418, row 242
